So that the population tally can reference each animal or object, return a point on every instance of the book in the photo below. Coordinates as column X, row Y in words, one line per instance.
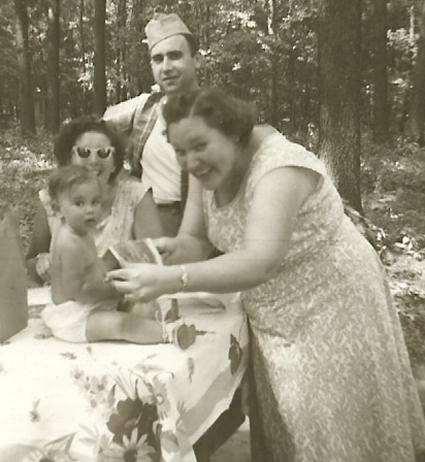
column 135, row 251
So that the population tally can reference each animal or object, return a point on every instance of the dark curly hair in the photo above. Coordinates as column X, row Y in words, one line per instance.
column 72, row 130
column 230, row 115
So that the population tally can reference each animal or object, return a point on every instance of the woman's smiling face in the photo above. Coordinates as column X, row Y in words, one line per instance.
column 91, row 141
column 206, row 152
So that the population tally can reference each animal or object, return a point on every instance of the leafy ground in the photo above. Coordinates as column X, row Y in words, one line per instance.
column 393, row 187
column 394, row 200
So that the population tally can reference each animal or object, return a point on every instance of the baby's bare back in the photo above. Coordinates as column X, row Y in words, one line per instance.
column 74, row 262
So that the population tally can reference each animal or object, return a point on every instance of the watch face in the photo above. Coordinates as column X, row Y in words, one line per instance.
column 184, row 278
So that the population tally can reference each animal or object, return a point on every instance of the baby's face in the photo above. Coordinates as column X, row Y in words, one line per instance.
column 81, row 206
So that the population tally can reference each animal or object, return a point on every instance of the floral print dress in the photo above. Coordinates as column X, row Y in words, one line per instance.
column 331, row 369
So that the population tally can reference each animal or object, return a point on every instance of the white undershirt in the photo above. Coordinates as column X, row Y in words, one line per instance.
column 161, row 171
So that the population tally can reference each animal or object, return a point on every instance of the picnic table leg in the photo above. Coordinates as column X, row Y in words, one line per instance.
column 202, row 453
column 256, row 430
column 220, row 431
column 256, row 433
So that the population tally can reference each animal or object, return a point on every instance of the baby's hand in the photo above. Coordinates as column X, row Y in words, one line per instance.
column 42, row 265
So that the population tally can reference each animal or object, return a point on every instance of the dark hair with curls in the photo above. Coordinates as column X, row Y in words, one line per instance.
column 226, row 113
column 64, row 178
column 72, row 130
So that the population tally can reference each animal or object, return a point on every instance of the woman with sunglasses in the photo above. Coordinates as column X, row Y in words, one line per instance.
column 128, row 210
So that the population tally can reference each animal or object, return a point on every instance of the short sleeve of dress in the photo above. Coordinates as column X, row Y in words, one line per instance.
column 276, row 152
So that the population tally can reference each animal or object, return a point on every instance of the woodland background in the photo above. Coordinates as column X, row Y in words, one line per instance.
column 346, row 78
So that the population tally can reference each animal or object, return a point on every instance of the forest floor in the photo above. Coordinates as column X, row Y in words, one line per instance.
column 393, row 195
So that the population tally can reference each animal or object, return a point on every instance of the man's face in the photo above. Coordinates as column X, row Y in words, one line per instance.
column 173, row 66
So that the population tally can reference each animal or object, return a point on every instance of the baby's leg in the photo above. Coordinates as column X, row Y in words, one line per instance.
column 145, row 310
column 119, row 325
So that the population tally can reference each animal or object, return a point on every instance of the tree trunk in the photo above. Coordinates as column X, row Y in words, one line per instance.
column 99, row 57
column 207, row 27
column 290, row 85
column 136, row 70
column 26, row 100
column 417, row 98
column 83, row 50
column 339, row 88
column 53, row 34
column 380, row 73
column 274, row 66
column 122, row 50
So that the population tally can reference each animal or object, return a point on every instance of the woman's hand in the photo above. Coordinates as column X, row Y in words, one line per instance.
column 42, row 265
column 169, row 249
column 142, row 282
column 182, row 249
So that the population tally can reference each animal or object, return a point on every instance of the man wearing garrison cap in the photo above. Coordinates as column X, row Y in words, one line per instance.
column 174, row 62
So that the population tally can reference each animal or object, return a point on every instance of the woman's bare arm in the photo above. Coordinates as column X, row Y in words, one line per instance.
column 191, row 242
column 270, row 223
column 146, row 219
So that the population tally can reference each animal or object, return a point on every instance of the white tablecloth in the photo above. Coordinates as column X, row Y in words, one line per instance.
column 103, row 401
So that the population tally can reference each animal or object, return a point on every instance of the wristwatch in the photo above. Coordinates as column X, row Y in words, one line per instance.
column 184, row 278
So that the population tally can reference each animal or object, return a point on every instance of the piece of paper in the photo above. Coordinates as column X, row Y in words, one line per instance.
column 39, row 296
column 136, row 251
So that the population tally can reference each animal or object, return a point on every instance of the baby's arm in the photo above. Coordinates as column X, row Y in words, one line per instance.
column 82, row 275
column 94, row 290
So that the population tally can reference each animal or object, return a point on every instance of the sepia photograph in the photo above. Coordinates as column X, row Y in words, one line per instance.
column 212, row 231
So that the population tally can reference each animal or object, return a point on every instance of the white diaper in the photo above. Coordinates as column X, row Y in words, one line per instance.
column 68, row 320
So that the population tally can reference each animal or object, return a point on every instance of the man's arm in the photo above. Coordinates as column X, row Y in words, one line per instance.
column 146, row 219
column 121, row 115
column 129, row 120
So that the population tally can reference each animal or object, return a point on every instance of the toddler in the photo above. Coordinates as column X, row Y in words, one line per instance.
column 84, row 307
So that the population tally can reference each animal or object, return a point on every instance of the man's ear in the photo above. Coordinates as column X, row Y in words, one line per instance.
column 235, row 138
column 199, row 60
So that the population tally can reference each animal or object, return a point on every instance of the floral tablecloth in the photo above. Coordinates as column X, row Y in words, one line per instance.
column 115, row 401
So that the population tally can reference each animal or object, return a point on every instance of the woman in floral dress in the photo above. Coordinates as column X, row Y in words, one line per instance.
column 332, row 373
